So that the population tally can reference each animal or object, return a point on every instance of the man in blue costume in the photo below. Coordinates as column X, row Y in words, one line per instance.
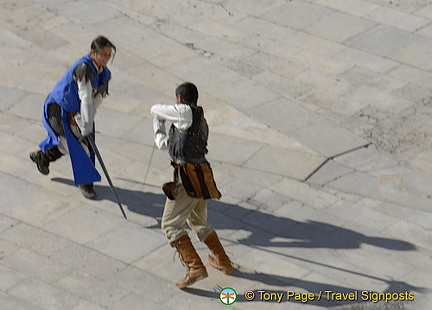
column 69, row 112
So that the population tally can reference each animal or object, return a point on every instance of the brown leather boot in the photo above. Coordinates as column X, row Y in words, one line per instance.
column 195, row 268
column 42, row 159
column 88, row 191
column 220, row 260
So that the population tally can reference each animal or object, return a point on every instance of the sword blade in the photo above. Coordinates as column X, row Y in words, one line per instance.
column 99, row 157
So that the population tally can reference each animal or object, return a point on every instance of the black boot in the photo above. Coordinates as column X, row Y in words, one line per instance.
column 42, row 159
column 88, row 191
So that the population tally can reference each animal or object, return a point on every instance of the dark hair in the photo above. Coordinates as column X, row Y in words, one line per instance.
column 189, row 92
column 100, row 42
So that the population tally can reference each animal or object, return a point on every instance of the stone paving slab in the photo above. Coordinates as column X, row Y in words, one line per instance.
column 382, row 40
column 419, row 52
column 298, row 14
column 339, row 27
column 11, row 303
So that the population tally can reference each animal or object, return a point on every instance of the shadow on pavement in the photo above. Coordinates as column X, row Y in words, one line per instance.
column 140, row 202
column 318, row 294
column 263, row 228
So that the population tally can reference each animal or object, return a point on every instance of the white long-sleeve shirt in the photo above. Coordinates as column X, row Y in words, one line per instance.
column 179, row 114
column 88, row 107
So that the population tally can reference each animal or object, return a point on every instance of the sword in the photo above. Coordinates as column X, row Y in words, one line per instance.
column 150, row 161
column 99, row 157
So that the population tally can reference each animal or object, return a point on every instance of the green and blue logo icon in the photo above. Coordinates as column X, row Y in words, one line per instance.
column 228, row 296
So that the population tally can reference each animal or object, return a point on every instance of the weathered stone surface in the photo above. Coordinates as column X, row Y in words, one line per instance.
column 319, row 114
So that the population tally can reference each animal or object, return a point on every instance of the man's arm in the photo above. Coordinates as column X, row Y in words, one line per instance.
column 160, row 136
column 83, row 75
column 180, row 115
column 87, row 109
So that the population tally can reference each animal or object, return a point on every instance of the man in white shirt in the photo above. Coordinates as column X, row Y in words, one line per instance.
column 192, row 185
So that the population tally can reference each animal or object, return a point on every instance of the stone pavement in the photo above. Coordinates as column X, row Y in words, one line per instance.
column 319, row 112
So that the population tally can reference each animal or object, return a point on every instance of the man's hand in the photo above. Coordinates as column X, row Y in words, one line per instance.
column 82, row 131
column 78, row 133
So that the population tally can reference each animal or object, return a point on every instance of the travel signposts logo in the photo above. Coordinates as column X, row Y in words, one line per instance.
column 228, row 296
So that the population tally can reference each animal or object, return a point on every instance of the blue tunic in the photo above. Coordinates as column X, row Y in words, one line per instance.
column 65, row 94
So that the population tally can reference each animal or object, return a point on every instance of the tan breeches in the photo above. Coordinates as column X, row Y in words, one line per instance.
column 185, row 210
